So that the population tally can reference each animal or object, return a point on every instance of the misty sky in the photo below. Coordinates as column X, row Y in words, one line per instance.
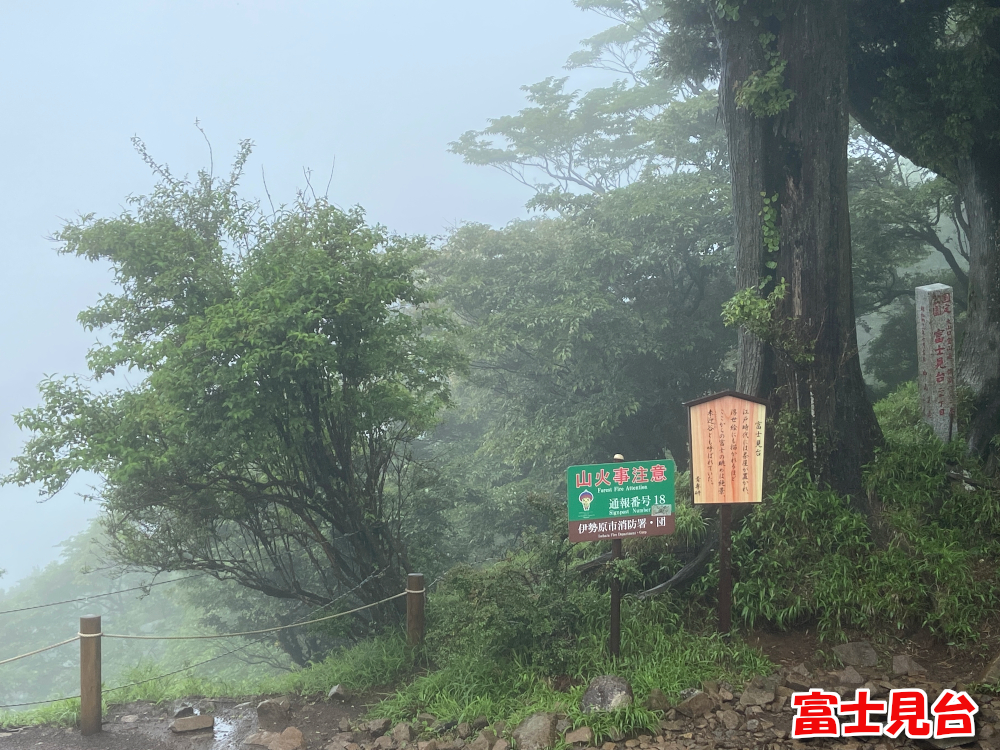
column 381, row 88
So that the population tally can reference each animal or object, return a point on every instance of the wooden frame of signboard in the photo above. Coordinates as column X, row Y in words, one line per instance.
column 730, row 436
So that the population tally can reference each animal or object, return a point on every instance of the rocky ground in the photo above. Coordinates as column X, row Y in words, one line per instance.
column 719, row 715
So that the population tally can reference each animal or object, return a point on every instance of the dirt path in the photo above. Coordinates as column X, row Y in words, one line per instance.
column 729, row 717
column 145, row 726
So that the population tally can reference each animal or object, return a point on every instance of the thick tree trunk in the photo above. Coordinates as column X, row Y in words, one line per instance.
column 749, row 137
column 801, row 154
column 979, row 363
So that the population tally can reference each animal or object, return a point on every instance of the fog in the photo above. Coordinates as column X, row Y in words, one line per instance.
column 375, row 91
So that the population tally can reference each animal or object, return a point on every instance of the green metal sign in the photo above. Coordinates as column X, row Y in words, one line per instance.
column 614, row 501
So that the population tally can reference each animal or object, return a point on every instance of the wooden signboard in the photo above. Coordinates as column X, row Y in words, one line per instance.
column 727, row 448
column 727, row 468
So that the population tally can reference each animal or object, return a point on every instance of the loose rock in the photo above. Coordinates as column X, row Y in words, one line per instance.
column 274, row 711
column 581, row 736
column 339, row 692
column 606, row 693
column 464, row 730
column 263, row 739
column 290, row 739
column 378, row 727
column 756, row 696
column 905, row 664
column 192, row 723
column 402, row 732
column 537, row 732
column 340, row 741
column 857, row 654
column 657, row 701
column 730, row 719
column 698, row 704
column 850, row 676
column 484, row 740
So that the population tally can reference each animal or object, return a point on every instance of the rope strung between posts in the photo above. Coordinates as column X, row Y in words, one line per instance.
column 47, row 648
column 249, row 632
column 99, row 596
column 78, row 636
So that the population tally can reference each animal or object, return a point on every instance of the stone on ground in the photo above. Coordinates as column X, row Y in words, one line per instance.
column 581, row 736
column 729, row 718
column 657, row 701
column 857, row 654
column 339, row 692
column 274, row 711
column 263, row 739
column 464, row 730
column 193, row 723
column 698, row 704
column 905, row 664
column 756, row 696
column 290, row 739
column 378, row 727
column 537, row 732
column 484, row 740
column 606, row 693
column 340, row 741
column 850, row 676
column 402, row 732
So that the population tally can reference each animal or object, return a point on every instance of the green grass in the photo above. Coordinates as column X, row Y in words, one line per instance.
column 656, row 653
column 60, row 713
column 378, row 662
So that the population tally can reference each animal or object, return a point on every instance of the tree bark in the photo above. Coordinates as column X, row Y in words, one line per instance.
column 749, row 139
column 979, row 364
column 886, row 36
column 801, row 155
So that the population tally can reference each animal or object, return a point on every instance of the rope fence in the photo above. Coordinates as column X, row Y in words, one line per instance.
column 99, row 596
column 90, row 636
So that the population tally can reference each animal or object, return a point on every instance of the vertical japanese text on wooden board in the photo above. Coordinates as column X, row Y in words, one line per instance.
column 936, row 357
column 614, row 501
column 727, row 449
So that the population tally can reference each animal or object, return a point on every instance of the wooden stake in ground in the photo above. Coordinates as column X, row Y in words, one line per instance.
column 415, row 595
column 615, row 641
column 90, row 674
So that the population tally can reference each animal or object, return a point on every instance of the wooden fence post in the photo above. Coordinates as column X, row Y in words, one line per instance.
column 415, row 596
column 90, row 674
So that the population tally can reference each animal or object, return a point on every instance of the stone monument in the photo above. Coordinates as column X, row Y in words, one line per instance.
column 936, row 358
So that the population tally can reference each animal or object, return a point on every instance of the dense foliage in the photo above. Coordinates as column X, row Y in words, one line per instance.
column 287, row 364
column 289, row 429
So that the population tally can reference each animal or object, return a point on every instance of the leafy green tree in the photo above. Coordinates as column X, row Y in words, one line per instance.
column 924, row 79
column 288, row 362
column 782, row 71
column 590, row 331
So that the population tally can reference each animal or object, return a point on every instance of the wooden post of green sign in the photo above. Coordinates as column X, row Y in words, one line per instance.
column 615, row 643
